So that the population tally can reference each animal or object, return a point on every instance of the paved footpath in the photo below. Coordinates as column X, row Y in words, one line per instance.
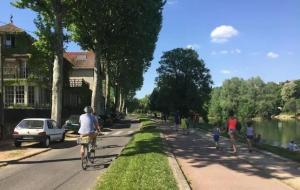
column 209, row 169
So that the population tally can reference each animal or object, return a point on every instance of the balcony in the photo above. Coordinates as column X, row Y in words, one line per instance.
column 77, row 83
column 14, row 73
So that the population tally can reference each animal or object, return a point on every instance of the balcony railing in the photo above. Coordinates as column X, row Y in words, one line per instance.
column 14, row 73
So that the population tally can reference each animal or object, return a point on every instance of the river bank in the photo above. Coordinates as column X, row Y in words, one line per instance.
column 286, row 116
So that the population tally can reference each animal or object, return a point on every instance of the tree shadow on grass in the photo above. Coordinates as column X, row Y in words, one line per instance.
column 152, row 144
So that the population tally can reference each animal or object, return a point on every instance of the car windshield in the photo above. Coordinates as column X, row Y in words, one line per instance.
column 32, row 124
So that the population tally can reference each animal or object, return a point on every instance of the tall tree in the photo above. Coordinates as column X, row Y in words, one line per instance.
column 53, row 11
column 185, row 81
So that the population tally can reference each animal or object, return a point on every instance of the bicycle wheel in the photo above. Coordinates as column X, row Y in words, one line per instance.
column 84, row 161
column 91, row 153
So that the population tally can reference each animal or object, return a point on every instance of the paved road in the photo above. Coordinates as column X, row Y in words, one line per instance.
column 60, row 168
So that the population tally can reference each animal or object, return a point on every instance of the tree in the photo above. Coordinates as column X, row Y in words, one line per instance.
column 184, row 81
column 123, row 35
column 52, row 11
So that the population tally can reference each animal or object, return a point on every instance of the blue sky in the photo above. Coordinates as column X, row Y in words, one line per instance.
column 234, row 38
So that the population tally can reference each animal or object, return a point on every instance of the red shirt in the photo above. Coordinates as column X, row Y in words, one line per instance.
column 232, row 123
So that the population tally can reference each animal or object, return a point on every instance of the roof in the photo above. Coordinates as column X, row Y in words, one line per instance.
column 10, row 28
column 81, row 60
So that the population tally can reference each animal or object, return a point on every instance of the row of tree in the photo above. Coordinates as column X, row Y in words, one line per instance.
column 254, row 98
column 122, row 34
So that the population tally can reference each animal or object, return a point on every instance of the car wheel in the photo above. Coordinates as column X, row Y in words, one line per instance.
column 46, row 142
column 18, row 144
column 62, row 138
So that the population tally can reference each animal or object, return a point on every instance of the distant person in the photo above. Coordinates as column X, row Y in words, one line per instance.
column 232, row 123
column 292, row 146
column 249, row 134
column 177, row 120
column 257, row 139
column 216, row 136
column 165, row 117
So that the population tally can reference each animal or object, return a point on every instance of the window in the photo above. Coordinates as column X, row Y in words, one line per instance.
column 81, row 58
column 54, row 124
column 9, row 95
column 50, row 126
column 19, row 94
column 30, row 95
column 10, row 41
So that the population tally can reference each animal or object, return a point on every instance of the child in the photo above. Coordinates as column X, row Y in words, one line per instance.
column 216, row 136
column 249, row 134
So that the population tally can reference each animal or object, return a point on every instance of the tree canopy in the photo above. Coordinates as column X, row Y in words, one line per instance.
column 183, row 83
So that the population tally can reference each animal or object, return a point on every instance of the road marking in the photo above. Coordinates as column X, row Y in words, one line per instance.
column 130, row 132
column 116, row 133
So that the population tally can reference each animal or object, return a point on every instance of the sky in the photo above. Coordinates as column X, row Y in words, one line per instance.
column 235, row 38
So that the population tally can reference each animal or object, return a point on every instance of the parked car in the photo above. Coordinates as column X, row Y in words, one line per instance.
column 38, row 130
column 72, row 123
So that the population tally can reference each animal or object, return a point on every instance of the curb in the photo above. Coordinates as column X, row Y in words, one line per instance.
column 176, row 169
column 23, row 157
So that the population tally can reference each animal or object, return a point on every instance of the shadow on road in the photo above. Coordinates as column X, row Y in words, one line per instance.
column 201, row 153
column 58, row 160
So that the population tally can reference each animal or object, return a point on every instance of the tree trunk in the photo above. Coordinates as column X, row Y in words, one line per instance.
column 107, row 90
column 57, row 82
column 123, row 105
column 116, row 98
column 97, row 93
column 120, row 100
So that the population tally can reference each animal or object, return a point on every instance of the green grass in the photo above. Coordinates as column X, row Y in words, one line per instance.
column 141, row 165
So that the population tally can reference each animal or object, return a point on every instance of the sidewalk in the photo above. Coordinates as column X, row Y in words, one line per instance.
column 211, row 169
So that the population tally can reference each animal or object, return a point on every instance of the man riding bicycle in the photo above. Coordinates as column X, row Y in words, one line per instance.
column 88, row 126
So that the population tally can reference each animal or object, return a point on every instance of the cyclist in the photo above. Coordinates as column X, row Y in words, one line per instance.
column 88, row 126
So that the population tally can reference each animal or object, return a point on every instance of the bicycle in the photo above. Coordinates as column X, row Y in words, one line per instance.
column 89, row 151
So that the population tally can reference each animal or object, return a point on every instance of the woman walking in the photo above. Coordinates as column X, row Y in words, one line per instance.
column 232, row 123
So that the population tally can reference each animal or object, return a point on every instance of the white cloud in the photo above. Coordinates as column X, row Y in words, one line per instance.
column 213, row 53
column 223, row 33
column 233, row 51
column 226, row 72
column 224, row 52
column 171, row 2
column 193, row 46
column 272, row 55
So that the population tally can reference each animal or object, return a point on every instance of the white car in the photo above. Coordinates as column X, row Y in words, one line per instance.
column 41, row 130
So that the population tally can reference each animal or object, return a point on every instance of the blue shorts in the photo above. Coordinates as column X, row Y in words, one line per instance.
column 216, row 138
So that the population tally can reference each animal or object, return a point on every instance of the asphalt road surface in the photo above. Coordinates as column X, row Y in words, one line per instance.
column 60, row 168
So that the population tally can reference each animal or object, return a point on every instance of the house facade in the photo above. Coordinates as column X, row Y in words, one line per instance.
column 19, row 91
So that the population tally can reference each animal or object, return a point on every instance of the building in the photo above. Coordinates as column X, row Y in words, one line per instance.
column 19, row 91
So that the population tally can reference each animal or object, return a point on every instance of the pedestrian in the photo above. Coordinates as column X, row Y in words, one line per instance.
column 177, row 120
column 216, row 136
column 232, row 123
column 249, row 134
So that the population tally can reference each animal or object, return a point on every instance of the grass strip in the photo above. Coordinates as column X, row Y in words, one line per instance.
column 143, row 164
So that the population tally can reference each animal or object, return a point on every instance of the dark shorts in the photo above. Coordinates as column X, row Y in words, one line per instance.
column 250, row 137
column 216, row 138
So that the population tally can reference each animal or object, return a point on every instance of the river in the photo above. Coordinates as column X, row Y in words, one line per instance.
column 278, row 133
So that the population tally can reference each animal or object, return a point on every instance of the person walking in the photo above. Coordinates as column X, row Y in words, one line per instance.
column 249, row 134
column 177, row 120
column 232, row 123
